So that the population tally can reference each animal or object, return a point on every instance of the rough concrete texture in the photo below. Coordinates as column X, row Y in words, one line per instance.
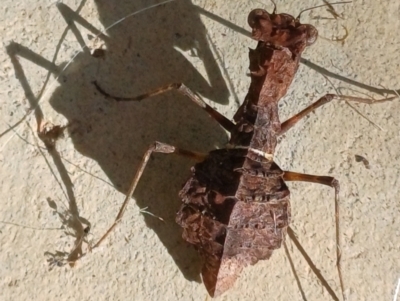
column 43, row 193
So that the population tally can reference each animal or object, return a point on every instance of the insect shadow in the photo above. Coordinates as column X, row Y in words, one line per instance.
column 144, row 53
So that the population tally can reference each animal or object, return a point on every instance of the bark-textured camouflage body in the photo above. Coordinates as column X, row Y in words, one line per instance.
column 236, row 206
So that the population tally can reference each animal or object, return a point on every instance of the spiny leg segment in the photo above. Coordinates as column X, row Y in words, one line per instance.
column 288, row 124
column 181, row 88
column 332, row 182
column 156, row 147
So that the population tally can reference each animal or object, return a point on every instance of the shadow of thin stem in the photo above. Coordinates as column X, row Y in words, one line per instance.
column 30, row 227
column 350, row 81
column 294, row 271
column 311, row 264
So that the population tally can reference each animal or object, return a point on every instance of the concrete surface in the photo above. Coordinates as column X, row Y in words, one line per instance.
column 44, row 195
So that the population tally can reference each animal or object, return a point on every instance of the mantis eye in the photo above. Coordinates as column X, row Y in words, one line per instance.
column 312, row 34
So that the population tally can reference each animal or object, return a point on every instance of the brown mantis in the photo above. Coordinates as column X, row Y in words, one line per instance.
column 236, row 206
